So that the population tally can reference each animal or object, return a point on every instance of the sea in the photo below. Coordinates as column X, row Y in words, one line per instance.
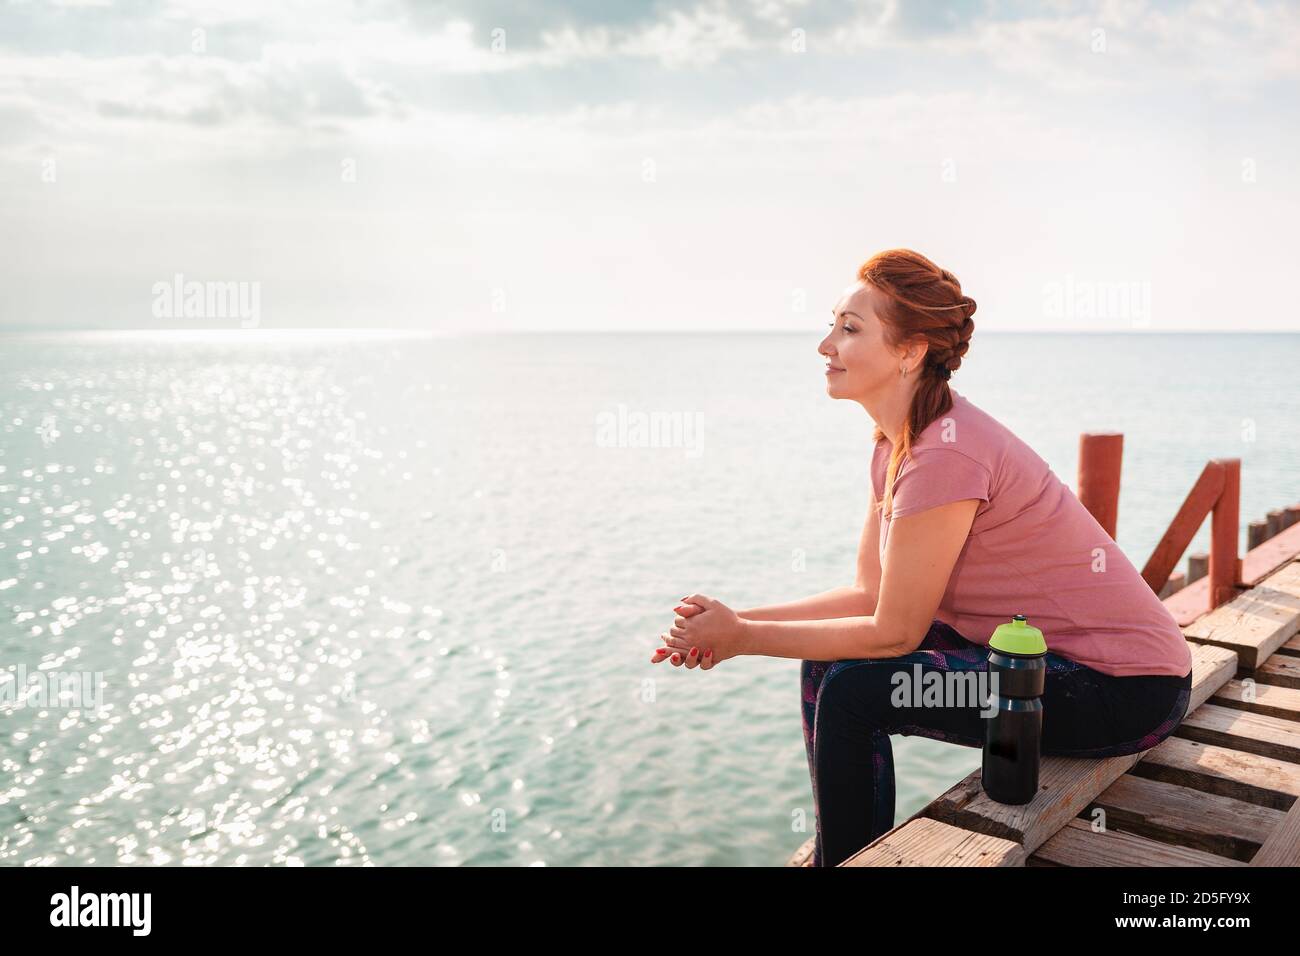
column 346, row 599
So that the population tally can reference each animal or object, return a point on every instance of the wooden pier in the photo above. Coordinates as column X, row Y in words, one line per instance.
column 1222, row 789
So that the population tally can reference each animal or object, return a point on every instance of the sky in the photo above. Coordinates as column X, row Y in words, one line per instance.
column 490, row 166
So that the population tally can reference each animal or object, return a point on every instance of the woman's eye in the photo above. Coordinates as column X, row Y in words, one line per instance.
column 847, row 329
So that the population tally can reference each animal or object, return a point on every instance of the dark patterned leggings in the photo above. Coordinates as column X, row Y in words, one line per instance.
column 850, row 709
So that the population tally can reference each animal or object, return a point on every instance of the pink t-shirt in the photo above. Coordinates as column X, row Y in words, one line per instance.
column 1033, row 549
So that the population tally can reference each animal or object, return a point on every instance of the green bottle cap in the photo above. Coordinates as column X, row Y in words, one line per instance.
column 1018, row 637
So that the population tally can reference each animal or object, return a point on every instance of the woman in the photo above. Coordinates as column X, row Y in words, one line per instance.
column 968, row 526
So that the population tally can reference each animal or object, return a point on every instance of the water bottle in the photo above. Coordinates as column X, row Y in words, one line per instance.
column 1013, row 736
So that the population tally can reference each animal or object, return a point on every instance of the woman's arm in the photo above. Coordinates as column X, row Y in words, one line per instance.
column 850, row 601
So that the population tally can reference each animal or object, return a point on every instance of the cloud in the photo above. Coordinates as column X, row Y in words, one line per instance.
column 339, row 62
column 685, row 141
column 1071, row 46
column 697, row 38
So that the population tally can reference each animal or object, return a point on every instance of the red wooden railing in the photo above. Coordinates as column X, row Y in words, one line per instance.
column 1217, row 492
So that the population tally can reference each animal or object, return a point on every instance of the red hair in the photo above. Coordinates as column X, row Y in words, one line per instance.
column 923, row 301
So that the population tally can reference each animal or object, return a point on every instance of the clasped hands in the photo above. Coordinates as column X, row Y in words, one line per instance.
column 704, row 633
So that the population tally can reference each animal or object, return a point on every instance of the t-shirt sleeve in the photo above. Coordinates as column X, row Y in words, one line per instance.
column 937, row 476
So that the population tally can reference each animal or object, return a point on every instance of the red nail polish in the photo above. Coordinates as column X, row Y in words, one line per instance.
column 694, row 651
column 676, row 658
column 709, row 652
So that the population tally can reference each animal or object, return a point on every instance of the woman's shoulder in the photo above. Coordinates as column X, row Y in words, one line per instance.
column 967, row 430
column 1016, row 475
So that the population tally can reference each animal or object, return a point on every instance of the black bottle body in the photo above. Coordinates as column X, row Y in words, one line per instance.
column 1013, row 735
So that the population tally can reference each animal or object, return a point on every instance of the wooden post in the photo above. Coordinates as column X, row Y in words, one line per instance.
column 1198, row 564
column 1256, row 534
column 1292, row 513
column 1175, row 584
column 1225, row 566
column 1100, row 457
column 1275, row 521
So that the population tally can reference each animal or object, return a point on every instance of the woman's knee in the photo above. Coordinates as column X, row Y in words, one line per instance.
column 858, row 693
column 811, row 674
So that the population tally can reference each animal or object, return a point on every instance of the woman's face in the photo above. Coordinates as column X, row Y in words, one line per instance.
column 859, row 361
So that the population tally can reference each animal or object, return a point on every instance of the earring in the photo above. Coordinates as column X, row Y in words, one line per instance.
column 902, row 370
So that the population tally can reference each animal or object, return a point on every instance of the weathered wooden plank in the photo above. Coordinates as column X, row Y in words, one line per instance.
column 1242, row 730
column 1280, row 670
column 1077, row 844
column 1189, row 603
column 1260, row 698
column 1212, row 667
column 923, row 842
column 1065, row 784
column 1229, row 773
column 804, row 855
column 1194, row 599
column 1282, row 848
column 1259, row 563
column 1171, row 814
column 1256, row 622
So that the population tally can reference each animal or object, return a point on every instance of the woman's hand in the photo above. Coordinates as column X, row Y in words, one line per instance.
column 696, row 657
column 706, row 632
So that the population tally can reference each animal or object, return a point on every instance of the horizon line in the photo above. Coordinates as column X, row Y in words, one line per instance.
column 406, row 332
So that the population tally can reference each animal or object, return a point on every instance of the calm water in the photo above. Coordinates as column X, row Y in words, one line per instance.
column 393, row 602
